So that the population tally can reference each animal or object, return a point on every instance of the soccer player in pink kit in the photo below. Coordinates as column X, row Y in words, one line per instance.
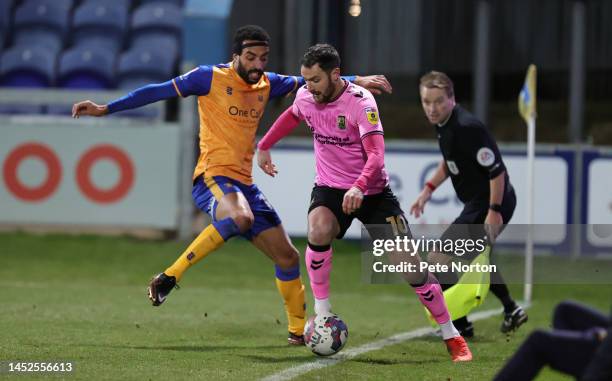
column 351, row 180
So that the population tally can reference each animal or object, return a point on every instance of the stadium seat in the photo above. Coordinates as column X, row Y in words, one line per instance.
column 6, row 8
column 178, row 3
column 41, row 38
column 41, row 21
column 65, row 4
column 158, row 17
column 140, row 65
column 87, row 67
column 27, row 66
column 105, row 21
column 161, row 42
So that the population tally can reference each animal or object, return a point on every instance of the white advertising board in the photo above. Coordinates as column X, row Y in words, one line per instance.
column 289, row 191
column 71, row 174
column 599, row 202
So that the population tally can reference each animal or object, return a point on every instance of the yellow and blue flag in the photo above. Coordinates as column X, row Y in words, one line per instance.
column 527, row 96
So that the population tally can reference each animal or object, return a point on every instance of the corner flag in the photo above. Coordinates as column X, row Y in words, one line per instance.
column 527, row 109
column 527, row 96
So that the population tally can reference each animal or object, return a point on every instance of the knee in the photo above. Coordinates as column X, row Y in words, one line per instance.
column 288, row 258
column 321, row 233
column 243, row 219
column 538, row 339
column 561, row 312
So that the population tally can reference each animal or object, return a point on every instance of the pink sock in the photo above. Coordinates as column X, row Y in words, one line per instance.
column 430, row 294
column 319, row 265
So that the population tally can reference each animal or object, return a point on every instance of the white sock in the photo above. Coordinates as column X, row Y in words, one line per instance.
column 448, row 330
column 322, row 306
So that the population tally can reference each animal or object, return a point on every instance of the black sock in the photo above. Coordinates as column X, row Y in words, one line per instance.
column 461, row 323
column 318, row 248
column 500, row 290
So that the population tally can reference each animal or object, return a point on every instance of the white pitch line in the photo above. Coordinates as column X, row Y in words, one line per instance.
column 295, row 371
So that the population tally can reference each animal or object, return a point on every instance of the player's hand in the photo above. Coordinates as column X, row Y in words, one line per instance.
column 418, row 206
column 264, row 160
column 493, row 224
column 352, row 200
column 376, row 84
column 88, row 108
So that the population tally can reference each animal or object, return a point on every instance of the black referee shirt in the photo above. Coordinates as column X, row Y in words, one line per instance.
column 471, row 155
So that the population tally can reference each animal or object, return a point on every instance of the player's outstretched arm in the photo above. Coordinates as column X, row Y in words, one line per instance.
column 88, row 108
column 376, row 84
column 137, row 98
column 282, row 85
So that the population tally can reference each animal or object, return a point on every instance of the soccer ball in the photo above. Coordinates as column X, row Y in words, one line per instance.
column 325, row 334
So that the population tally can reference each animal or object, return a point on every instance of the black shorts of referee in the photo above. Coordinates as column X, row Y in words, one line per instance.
column 470, row 223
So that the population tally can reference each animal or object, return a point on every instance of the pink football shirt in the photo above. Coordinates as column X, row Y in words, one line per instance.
column 337, row 129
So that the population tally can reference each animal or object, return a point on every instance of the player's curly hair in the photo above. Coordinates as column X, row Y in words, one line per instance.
column 249, row 32
column 323, row 54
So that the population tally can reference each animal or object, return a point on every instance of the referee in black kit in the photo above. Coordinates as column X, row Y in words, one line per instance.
column 473, row 162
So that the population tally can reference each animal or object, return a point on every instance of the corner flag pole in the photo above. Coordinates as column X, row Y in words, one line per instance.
column 527, row 109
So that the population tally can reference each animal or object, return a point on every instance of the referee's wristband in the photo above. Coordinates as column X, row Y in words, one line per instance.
column 496, row 208
column 430, row 185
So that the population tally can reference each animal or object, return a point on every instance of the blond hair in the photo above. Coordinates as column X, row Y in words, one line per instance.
column 438, row 80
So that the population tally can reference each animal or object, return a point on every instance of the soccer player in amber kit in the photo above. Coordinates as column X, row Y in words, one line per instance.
column 231, row 101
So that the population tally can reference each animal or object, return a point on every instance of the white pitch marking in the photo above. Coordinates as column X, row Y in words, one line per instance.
column 295, row 371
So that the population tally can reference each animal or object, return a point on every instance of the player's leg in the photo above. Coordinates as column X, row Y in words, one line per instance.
column 322, row 228
column 384, row 210
column 275, row 243
column 566, row 351
column 514, row 315
column 459, row 229
column 326, row 221
column 269, row 236
column 224, row 202
column 574, row 316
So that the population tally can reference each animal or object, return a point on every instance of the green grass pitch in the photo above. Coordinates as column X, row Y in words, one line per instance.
column 82, row 299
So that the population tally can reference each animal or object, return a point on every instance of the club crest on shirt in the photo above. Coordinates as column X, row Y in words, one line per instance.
column 485, row 156
column 372, row 115
column 452, row 167
column 341, row 122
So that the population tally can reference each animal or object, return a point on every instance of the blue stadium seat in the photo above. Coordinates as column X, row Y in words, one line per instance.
column 140, row 65
column 161, row 42
column 65, row 4
column 158, row 17
column 6, row 8
column 41, row 38
column 106, row 21
column 87, row 67
column 27, row 66
column 41, row 21
column 178, row 3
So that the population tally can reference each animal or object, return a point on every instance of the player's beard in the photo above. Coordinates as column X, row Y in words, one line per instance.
column 246, row 74
column 326, row 95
